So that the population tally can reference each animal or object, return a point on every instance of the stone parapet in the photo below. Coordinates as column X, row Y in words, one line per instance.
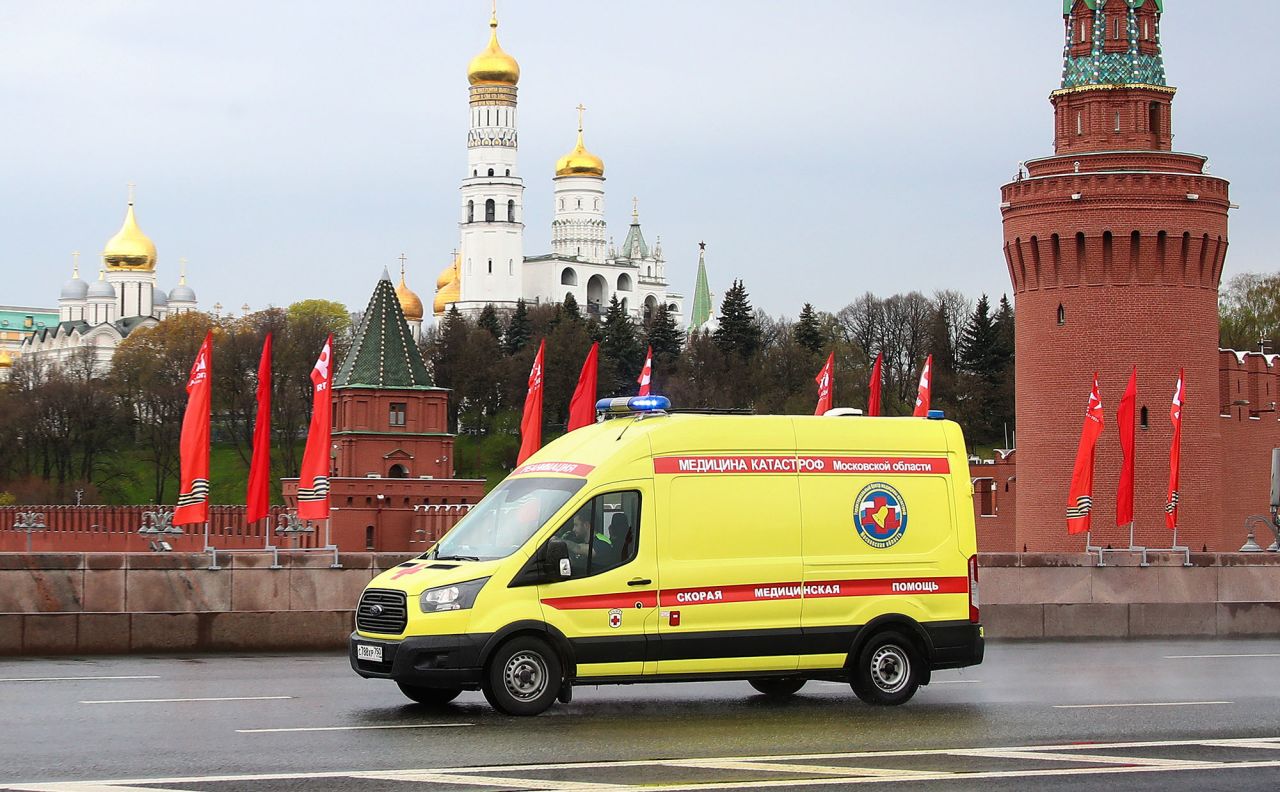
column 114, row 603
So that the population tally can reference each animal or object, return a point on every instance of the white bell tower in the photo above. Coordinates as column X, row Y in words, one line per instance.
column 492, row 222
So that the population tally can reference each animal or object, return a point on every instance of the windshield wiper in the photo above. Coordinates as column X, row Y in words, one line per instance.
column 457, row 558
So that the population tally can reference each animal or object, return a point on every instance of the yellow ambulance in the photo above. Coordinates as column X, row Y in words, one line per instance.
column 662, row 546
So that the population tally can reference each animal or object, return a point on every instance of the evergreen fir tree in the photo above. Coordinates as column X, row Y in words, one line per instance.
column 489, row 321
column 666, row 340
column 569, row 308
column 621, row 352
column 978, row 345
column 943, row 396
column 1003, row 405
column 739, row 334
column 808, row 332
column 519, row 330
column 448, row 358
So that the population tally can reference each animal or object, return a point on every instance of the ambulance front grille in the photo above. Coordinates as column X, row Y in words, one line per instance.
column 382, row 611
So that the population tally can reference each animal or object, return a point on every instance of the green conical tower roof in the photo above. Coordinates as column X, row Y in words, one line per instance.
column 701, row 312
column 383, row 354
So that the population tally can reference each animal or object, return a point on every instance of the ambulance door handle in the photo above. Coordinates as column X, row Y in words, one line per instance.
column 639, row 582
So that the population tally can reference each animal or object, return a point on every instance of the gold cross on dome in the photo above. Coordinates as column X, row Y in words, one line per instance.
column 580, row 108
column 635, row 209
column 402, row 260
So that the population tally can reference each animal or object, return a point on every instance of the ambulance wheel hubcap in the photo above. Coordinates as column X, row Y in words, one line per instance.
column 526, row 676
column 890, row 668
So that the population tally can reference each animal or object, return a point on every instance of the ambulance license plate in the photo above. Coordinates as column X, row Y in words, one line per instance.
column 368, row 652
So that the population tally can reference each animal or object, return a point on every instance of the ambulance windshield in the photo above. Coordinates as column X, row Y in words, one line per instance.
column 505, row 519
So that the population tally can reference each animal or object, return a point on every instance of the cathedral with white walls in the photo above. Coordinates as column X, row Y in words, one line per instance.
column 491, row 267
column 99, row 313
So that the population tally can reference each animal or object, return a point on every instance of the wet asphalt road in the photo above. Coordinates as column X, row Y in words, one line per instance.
column 1190, row 715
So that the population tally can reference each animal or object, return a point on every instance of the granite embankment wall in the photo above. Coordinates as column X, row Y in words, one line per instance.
column 109, row 603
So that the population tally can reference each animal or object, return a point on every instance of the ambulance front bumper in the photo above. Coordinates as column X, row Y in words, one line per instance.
column 434, row 661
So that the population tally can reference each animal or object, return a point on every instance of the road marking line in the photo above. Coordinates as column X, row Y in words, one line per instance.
column 1142, row 704
column 175, row 700
column 781, row 767
column 72, row 679
column 1275, row 746
column 1243, row 742
column 1217, row 656
column 87, row 787
column 504, row 782
column 955, row 681
column 356, row 728
column 1049, row 756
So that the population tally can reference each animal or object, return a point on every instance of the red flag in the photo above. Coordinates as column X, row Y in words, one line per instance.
column 313, row 481
column 531, row 424
column 873, row 401
column 646, row 373
column 193, row 481
column 1080, row 497
column 826, row 389
column 925, row 392
column 582, row 407
column 258, row 497
column 1175, row 453
column 1125, row 423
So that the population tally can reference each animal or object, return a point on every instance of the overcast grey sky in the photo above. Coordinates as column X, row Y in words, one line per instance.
column 822, row 149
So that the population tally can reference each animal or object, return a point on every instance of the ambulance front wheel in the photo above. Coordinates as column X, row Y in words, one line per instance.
column 887, row 670
column 523, row 676
column 777, row 687
column 432, row 697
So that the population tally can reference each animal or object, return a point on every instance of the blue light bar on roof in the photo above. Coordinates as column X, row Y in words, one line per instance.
column 633, row 404
column 936, row 415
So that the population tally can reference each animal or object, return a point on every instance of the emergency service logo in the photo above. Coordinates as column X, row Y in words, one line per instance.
column 881, row 515
column 615, row 618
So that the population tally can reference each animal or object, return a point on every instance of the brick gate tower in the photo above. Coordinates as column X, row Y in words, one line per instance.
column 1115, row 246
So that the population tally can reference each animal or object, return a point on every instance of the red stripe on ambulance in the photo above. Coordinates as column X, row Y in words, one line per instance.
column 767, row 592
column 804, row 464
column 625, row 599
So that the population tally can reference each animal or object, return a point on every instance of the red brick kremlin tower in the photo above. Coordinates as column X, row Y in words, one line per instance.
column 1115, row 246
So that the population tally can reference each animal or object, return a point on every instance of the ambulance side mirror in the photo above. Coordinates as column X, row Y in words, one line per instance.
column 555, row 562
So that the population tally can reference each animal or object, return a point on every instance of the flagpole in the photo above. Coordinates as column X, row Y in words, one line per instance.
column 212, row 551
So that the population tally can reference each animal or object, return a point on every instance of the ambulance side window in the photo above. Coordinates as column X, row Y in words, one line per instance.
column 604, row 534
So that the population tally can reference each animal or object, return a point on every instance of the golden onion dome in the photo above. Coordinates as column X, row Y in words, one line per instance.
column 580, row 162
column 493, row 66
column 6, row 360
column 130, row 249
column 448, row 287
column 409, row 302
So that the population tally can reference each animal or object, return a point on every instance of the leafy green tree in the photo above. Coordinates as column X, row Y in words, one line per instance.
column 489, row 321
column 519, row 330
column 739, row 334
column 1249, row 312
column 808, row 331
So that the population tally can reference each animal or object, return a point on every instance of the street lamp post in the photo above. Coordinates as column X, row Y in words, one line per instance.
column 30, row 522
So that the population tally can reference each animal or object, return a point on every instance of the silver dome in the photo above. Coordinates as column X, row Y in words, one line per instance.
column 102, row 290
column 74, row 289
column 159, row 299
column 182, row 293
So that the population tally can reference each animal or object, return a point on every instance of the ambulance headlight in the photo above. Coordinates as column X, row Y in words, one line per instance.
column 458, row 596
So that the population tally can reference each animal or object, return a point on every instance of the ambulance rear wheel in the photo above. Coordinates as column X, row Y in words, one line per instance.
column 523, row 677
column 432, row 697
column 887, row 671
column 777, row 687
